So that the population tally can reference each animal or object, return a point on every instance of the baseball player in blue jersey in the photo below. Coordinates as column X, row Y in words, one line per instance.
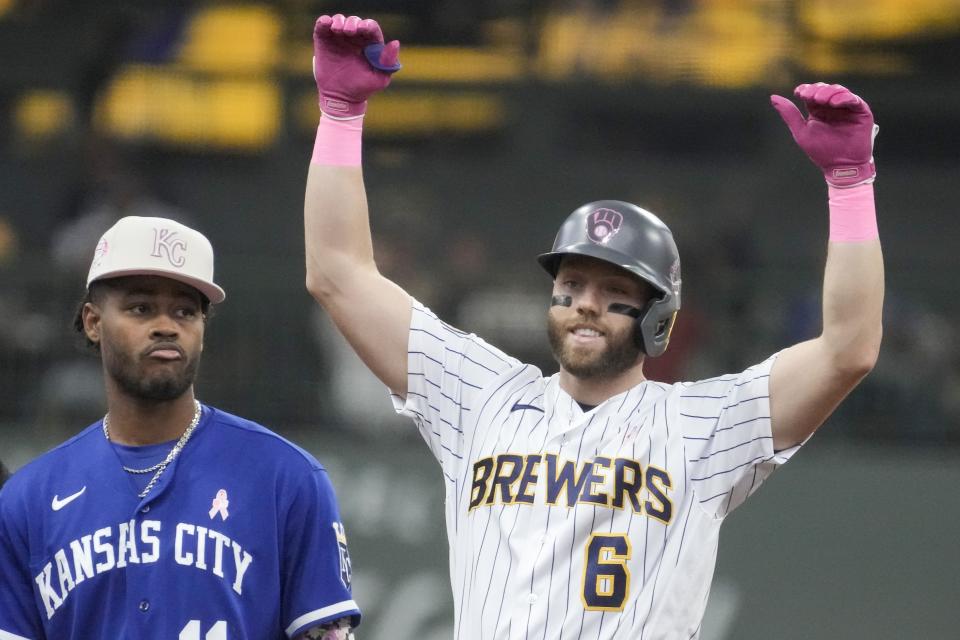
column 588, row 503
column 168, row 519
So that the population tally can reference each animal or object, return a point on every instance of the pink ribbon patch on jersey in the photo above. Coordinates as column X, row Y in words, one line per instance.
column 220, row 504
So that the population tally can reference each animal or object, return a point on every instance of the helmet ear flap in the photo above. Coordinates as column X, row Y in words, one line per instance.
column 652, row 329
column 665, row 327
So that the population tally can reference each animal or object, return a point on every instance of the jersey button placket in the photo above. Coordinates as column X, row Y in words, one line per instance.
column 144, row 605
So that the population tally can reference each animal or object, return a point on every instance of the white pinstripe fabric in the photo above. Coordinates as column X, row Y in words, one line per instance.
column 517, row 570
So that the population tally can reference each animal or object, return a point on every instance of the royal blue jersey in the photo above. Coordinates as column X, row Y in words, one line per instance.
column 240, row 539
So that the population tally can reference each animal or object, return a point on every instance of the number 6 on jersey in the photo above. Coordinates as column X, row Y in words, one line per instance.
column 606, row 578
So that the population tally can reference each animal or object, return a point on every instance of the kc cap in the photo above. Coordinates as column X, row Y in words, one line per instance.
column 138, row 246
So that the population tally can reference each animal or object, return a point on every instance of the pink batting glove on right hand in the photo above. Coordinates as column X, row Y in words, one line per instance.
column 350, row 63
column 838, row 134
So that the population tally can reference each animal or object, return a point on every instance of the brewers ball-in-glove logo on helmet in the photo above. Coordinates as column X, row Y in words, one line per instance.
column 634, row 239
column 603, row 224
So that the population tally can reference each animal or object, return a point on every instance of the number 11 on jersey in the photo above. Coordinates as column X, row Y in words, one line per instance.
column 606, row 577
column 192, row 631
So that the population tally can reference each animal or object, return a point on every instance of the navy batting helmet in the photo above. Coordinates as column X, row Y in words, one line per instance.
column 634, row 239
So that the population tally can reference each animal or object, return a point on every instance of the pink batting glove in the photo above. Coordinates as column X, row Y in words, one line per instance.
column 838, row 134
column 350, row 63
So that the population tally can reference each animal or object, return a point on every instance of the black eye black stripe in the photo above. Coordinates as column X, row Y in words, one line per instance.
column 625, row 309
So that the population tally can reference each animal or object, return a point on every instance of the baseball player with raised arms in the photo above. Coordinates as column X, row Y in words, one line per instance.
column 168, row 519
column 588, row 503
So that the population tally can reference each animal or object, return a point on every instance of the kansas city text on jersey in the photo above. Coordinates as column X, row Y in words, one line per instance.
column 614, row 483
column 135, row 542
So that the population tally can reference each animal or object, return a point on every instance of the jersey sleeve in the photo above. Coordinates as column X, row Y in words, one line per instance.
column 19, row 617
column 316, row 567
column 728, row 441
column 447, row 371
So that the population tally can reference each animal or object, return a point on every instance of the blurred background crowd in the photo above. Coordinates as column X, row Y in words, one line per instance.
column 508, row 115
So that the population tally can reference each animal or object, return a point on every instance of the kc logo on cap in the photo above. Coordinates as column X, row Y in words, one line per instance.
column 166, row 243
column 137, row 246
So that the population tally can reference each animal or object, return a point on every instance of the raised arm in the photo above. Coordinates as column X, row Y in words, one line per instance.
column 810, row 379
column 351, row 63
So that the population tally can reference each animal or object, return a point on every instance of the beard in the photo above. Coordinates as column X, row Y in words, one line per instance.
column 620, row 354
column 163, row 386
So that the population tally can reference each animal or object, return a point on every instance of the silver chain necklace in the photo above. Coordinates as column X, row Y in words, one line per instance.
column 160, row 467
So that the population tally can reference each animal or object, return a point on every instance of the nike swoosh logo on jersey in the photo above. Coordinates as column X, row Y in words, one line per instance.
column 58, row 504
column 517, row 406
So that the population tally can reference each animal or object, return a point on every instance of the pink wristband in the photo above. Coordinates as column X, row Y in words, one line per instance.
column 338, row 142
column 853, row 217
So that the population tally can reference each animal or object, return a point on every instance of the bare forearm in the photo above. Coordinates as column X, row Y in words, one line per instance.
column 852, row 304
column 336, row 225
column 810, row 379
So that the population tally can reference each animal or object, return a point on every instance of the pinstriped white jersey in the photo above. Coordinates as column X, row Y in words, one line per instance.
column 566, row 524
